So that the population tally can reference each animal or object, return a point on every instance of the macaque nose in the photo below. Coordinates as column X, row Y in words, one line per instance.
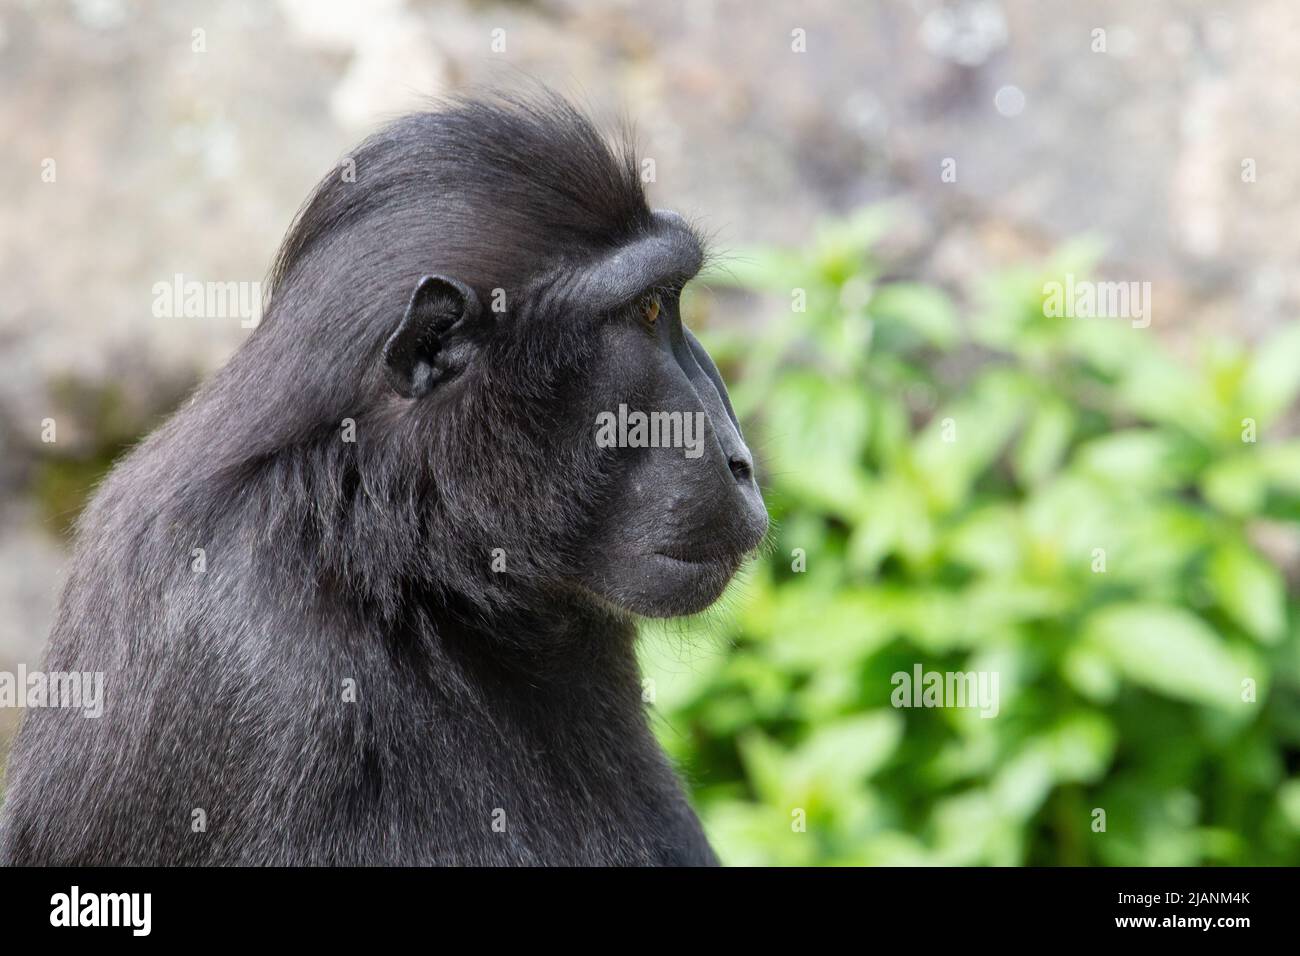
column 742, row 467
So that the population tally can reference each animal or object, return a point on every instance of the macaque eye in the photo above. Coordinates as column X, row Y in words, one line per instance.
column 650, row 309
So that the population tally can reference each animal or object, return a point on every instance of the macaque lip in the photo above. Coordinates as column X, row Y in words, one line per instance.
column 699, row 560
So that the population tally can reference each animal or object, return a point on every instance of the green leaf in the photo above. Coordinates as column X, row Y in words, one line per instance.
column 1136, row 458
column 833, row 763
column 1272, row 379
column 1171, row 651
column 1241, row 484
column 923, row 309
column 849, row 750
column 892, row 519
column 1288, row 801
column 989, row 540
column 1090, row 673
column 1250, row 590
column 818, row 430
column 1043, row 445
column 833, row 630
column 748, row 834
column 1158, row 389
column 765, row 765
column 965, row 438
column 1237, row 485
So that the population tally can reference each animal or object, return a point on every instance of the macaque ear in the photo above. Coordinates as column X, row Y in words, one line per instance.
column 436, row 338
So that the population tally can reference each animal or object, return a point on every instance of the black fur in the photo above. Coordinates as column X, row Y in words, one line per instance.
column 482, row 695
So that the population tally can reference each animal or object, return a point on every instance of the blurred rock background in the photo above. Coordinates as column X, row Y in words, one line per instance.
column 146, row 139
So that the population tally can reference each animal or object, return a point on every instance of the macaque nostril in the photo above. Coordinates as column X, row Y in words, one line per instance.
column 741, row 467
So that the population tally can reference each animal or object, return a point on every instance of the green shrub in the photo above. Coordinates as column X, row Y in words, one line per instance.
column 1059, row 501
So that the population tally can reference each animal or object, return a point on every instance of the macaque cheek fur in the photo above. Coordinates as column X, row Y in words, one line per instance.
column 412, row 637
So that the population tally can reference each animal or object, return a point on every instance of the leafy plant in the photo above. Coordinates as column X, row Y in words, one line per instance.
column 1059, row 501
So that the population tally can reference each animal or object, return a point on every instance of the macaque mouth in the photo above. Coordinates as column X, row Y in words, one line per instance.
column 702, row 559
